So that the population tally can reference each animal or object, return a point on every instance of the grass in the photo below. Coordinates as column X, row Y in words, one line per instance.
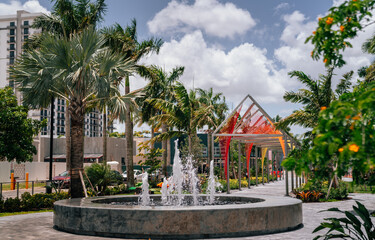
column 5, row 214
column 23, row 185
column 356, row 188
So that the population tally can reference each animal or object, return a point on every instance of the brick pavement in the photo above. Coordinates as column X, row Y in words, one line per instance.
column 39, row 225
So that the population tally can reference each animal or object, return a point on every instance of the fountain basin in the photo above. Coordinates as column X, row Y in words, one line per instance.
column 260, row 215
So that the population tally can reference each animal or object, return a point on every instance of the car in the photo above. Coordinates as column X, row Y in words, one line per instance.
column 137, row 173
column 62, row 180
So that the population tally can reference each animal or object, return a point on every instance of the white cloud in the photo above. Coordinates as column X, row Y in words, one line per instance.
column 282, row 6
column 294, row 54
column 242, row 70
column 214, row 18
column 12, row 6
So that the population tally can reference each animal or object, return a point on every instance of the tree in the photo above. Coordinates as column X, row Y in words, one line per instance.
column 125, row 41
column 16, row 130
column 67, row 17
column 215, row 116
column 75, row 70
column 316, row 97
column 183, row 114
column 160, row 86
column 342, row 23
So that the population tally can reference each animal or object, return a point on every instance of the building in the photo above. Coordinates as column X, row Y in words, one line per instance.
column 14, row 30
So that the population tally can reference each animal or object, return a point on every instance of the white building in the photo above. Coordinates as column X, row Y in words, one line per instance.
column 14, row 30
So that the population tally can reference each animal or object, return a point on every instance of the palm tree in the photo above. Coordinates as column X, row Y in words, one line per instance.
column 216, row 114
column 67, row 17
column 317, row 96
column 125, row 41
column 184, row 114
column 75, row 70
column 159, row 87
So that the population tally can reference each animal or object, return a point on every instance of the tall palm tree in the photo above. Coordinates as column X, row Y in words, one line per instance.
column 216, row 114
column 67, row 17
column 317, row 96
column 125, row 41
column 160, row 86
column 74, row 70
column 184, row 114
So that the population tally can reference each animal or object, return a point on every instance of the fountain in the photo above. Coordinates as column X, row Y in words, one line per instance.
column 179, row 212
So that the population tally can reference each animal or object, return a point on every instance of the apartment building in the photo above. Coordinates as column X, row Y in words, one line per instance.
column 14, row 30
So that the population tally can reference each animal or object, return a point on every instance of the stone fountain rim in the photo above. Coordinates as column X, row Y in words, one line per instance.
column 269, row 201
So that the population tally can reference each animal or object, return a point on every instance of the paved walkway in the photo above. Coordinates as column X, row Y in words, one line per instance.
column 39, row 225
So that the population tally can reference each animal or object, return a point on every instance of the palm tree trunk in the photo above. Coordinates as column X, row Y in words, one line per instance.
column 129, row 139
column 152, row 136
column 190, row 142
column 76, row 188
column 209, row 145
column 104, row 135
column 68, row 141
column 164, row 129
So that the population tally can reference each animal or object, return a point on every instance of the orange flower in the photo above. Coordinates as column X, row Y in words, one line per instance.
column 341, row 149
column 351, row 126
column 356, row 118
column 319, row 19
column 342, row 28
column 314, row 32
column 354, row 148
column 325, row 60
column 349, row 19
column 312, row 52
column 323, row 108
column 160, row 184
column 347, row 117
column 329, row 20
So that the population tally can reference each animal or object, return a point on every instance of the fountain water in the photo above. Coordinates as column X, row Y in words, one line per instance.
column 145, row 195
column 212, row 183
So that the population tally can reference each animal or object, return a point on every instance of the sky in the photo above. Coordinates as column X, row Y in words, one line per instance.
column 236, row 47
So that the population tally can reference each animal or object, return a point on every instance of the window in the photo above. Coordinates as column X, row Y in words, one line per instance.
column 12, row 47
column 11, row 31
column 11, row 83
column 25, row 37
column 26, row 23
column 12, row 24
column 11, row 61
column 11, row 54
column 58, row 101
column 204, row 151
column 25, row 31
column 217, row 151
column 11, row 39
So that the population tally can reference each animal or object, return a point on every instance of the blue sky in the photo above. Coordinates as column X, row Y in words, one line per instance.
column 237, row 47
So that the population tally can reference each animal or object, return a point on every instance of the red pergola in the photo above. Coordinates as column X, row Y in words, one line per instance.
column 250, row 124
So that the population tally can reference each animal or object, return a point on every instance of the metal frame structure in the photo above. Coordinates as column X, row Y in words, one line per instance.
column 256, row 127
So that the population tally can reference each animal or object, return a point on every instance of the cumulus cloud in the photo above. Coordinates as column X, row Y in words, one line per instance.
column 242, row 70
column 214, row 18
column 12, row 6
column 282, row 6
column 294, row 54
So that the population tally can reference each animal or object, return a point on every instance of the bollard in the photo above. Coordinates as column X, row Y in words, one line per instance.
column 18, row 189
column 27, row 181
column 12, row 183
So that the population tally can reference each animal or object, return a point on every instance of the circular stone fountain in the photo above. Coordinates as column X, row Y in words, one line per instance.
column 249, row 216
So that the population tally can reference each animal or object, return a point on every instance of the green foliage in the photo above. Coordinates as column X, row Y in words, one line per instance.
column 196, row 149
column 351, row 226
column 30, row 202
column 316, row 186
column 101, row 177
column 334, row 30
column 233, row 183
column 151, row 157
column 16, row 130
column 345, row 135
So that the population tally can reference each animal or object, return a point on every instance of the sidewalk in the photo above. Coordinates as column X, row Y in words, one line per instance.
column 13, row 193
column 40, row 225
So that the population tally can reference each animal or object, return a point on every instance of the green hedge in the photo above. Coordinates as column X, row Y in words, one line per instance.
column 29, row 202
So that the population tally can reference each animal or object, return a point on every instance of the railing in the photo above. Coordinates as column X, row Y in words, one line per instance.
column 17, row 187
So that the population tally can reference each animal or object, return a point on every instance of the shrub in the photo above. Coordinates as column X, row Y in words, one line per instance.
column 30, row 202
